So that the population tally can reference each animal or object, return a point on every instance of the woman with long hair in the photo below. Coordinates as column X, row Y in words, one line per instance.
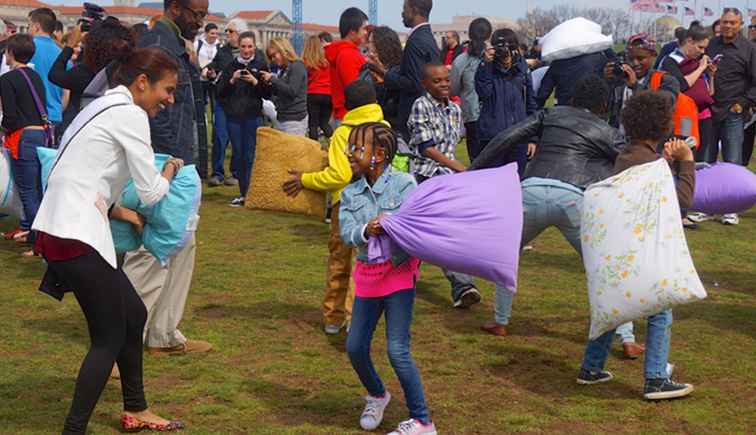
column 384, row 44
column 289, row 87
column 463, row 72
column 106, row 145
column 319, row 106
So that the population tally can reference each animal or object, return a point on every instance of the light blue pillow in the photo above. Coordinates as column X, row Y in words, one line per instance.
column 165, row 232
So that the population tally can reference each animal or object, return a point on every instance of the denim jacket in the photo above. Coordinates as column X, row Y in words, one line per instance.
column 360, row 203
column 174, row 130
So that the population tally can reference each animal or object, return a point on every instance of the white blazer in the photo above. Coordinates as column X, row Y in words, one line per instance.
column 93, row 169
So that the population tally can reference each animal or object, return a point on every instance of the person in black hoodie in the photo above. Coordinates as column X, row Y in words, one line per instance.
column 241, row 90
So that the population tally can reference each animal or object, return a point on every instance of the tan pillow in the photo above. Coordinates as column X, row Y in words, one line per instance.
column 276, row 153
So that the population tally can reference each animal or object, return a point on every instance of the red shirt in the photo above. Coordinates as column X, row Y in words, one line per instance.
column 56, row 249
column 319, row 80
column 449, row 56
column 346, row 61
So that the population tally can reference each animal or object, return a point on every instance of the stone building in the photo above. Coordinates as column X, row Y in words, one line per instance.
column 461, row 23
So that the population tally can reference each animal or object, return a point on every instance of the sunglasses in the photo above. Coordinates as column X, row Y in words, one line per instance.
column 198, row 15
column 229, row 31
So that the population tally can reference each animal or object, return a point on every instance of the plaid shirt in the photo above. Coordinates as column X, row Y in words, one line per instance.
column 433, row 123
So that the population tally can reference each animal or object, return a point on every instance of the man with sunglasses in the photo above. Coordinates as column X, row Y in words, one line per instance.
column 173, row 131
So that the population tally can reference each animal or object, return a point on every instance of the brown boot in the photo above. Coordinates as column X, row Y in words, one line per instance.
column 191, row 346
column 495, row 329
column 632, row 349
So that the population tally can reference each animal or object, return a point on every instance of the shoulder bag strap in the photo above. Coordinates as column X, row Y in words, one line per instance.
column 37, row 101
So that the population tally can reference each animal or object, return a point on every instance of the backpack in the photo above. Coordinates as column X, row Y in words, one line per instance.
column 686, row 111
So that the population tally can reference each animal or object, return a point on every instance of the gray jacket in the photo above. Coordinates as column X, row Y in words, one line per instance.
column 290, row 91
column 463, row 72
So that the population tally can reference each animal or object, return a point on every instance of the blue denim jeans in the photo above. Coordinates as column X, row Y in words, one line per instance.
column 220, row 141
column 365, row 315
column 730, row 132
column 657, row 348
column 625, row 332
column 546, row 203
column 26, row 175
column 244, row 140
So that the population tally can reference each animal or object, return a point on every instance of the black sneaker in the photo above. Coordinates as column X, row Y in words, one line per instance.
column 587, row 377
column 662, row 389
column 237, row 202
column 468, row 298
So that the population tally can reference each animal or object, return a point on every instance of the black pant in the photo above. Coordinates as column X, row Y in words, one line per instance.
column 473, row 144
column 749, row 137
column 709, row 149
column 115, row 317
column 319, row 108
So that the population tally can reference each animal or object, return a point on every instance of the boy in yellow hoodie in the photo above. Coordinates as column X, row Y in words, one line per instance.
column 339, row 295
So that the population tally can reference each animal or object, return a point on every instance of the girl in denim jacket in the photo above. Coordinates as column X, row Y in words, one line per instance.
column 388, row 286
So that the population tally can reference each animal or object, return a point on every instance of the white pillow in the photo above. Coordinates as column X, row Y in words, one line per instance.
column 573, row 38
column 10, row 202
column 634, row 248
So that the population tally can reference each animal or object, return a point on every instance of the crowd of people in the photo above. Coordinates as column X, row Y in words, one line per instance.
column 110, row 96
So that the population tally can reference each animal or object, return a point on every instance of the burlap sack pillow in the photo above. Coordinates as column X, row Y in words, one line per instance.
column 277, row 152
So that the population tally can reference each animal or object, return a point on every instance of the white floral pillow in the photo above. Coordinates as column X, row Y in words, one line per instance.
column 634, row 248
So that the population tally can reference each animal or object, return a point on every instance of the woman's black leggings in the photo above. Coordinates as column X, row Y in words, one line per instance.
column 115, row 316
column 319, row 108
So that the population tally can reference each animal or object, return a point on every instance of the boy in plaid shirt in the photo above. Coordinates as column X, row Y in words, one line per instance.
column 435, row 127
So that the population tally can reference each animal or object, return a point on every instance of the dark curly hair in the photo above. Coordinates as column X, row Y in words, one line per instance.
column 106, row 42
column 647, row 115
column 381, row 134
column 387, row 45
column 592, row 93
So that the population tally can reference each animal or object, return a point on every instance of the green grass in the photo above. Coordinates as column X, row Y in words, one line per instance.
column 256, row 296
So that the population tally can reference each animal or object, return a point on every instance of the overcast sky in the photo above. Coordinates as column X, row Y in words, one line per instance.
column 389, row 11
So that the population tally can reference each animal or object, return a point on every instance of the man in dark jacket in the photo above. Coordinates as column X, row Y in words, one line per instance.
column 164, row 290
column 576, row 148
column 421, row 49
column 564, row 73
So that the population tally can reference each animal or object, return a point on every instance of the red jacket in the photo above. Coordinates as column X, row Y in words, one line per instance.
column 319, row 80
column 346, row 61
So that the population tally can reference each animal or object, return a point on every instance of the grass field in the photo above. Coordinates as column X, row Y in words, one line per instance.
column 256, row 296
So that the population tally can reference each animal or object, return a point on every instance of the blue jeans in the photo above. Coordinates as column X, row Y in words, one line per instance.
column 26, row 175
column 625, row 332
column 365, row 315
column 220, row 140
column 657, row 348
column 244, row 140
column 546, row 203
column 731, row 132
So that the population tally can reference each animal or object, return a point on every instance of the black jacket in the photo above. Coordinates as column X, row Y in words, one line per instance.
column 420, row 50
column 564, row 73
column 242, row 100
column 575, row 146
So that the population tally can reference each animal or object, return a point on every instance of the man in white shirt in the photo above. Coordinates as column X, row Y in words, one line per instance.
column 206, row 46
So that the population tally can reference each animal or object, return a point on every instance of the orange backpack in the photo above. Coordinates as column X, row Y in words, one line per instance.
column 686, row 111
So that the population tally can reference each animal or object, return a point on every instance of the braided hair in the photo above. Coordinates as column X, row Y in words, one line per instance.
column 383, row 136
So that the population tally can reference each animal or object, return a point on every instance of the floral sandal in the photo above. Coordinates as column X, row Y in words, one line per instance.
column 131, row 424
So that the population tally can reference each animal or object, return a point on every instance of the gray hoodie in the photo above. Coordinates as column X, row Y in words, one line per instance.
column 290, row 92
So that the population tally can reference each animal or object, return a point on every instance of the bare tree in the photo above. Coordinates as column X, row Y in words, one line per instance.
column 537, row 22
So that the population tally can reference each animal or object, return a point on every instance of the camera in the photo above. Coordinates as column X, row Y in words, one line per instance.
column 91, row 14
column 503, row 49
column 617, row 70
column 254, row 72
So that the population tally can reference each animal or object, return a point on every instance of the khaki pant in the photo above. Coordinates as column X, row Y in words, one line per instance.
column 339, row 294
column 163, row 291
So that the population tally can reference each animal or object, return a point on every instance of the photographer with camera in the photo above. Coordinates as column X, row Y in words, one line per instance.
column 631, row 73
column 105, row 42
column 241, row 89
column 505, row 90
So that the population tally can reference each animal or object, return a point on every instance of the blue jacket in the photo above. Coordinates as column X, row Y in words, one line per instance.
column 45, row 54
column 506, row 97
column 564, row 73
column 174, row 130
column 420, row 50
column 360, row 203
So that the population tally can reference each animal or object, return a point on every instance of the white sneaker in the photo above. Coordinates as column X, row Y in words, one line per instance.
column 372, row 415
column 332, row 329
column 730, row 219
column 699, row 217
column 414, row 427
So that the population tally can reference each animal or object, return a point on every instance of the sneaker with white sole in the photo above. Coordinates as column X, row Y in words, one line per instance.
column 587, row 377
column 730, row 219
column 699, row 217
column 372, row 415
column 467, row 298
column 414, row 427
column 332, row 329
column 237, row 202
column 664, row 389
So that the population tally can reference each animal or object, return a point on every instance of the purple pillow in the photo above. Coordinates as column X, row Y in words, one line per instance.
column 469, row 223
column 724, row 188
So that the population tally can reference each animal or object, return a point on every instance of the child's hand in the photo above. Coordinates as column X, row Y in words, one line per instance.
column 374, row 228
column 677, row 149
column 293, row 185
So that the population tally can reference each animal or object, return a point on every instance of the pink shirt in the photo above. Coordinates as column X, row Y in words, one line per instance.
column 381, row 280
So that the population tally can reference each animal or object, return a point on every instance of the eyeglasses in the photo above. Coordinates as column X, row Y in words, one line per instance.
column 198, row 15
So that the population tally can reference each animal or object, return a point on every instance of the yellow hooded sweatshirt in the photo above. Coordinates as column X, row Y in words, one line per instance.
column 338, row 174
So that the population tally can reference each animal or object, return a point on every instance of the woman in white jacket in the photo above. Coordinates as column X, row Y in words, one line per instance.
column 105, row 146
